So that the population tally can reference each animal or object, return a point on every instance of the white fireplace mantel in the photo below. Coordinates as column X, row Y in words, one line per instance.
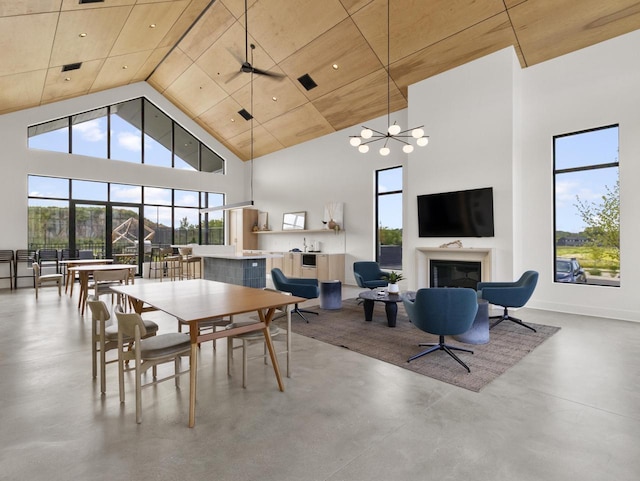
column 424, row 255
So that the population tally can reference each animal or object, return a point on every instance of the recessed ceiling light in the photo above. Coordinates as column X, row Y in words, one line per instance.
column 153, row 25
column 275, row 99
column 335, row 66
column 125, row 67
column 82, row 35
column 67, row 79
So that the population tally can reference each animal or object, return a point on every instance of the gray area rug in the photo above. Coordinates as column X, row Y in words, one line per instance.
column 347, row 328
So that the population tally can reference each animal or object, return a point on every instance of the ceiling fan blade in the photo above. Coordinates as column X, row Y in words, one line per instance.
column 268, row 73
column 235, row 55
column 233, row 76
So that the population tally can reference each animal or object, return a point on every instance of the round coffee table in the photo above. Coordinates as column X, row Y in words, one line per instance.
column 390, row 304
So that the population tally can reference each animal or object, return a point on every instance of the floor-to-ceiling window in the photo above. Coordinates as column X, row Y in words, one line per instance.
column 389, row 218
column 587, row 207
column 104, row 218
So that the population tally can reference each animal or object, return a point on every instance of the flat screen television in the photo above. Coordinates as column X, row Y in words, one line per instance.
column 465, row 213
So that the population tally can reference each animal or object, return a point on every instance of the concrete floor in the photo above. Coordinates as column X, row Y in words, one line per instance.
column 569, row 411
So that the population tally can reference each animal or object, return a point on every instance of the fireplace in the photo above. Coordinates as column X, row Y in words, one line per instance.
column 477, row 255
column 448, row 273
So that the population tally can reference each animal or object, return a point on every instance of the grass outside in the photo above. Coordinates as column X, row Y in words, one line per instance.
column 594, row 260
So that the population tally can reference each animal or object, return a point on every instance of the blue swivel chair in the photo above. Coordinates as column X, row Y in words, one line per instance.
column 368, row 274
column 444, row 311
column 509, row 294
column 300, row 287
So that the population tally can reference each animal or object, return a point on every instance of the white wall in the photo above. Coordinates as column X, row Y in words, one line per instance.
column 594, row 87
column 468, row 113
column 307, row 176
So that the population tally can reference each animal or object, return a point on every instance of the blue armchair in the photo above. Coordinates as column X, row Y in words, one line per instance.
column 300, row 287
column 368, row 274
column 509, row 294
column 444, row 311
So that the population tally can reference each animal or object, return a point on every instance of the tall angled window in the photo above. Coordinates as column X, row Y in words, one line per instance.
column 53, row 136
column 587, row 207
column 389, row 218
column 158, row 136
column 89, row 133
column 126, row 131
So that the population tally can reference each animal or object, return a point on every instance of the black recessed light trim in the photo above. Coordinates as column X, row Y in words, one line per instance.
column 307, row 82
column 71, row 66
column 90, row 1
column 245, row 115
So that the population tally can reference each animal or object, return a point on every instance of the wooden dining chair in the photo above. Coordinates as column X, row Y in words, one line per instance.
column 104, row 280
column 46, row 279
column 257, row 337
column 104, row 337
column 147, row 352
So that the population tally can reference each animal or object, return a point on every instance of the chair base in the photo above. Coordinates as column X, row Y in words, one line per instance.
column 507, row 317
column 441, row 346
column 299, row 311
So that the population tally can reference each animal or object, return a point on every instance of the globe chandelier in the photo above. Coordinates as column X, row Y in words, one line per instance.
column 394, row 131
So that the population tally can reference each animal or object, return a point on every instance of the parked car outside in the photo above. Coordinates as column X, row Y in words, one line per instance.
column 569, row 270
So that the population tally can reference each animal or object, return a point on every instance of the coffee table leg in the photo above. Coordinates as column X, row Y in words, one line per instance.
column 368, row 309
column 391, row 308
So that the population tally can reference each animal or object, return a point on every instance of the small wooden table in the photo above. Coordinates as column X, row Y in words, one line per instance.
column 390, row 304
column 85, row 271
column 80, row 262
column 197, row 300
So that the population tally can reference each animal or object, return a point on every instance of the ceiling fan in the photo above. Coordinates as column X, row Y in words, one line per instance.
column 246, row 66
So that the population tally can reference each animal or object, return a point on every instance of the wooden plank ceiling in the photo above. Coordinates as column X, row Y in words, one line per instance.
column 191, row 51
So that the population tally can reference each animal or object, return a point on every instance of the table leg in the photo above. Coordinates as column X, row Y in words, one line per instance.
column 84, row 285
column 367, row 304
column 193, row 377
column 267, row 339
column 391, row 308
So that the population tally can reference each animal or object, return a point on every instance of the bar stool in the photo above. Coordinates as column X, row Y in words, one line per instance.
column 6, row 257
column 187, row 262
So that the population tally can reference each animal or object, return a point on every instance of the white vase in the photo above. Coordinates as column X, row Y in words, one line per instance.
column 393, row 288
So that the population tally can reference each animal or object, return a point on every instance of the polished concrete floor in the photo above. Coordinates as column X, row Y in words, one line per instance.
column 569, row 411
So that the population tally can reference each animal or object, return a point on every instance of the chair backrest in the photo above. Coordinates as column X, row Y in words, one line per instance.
column 36, row 270
column 510, row 294
column 121, row 275
column 85, row 254
column 443, row 310
column 279, row 279
column 48, row 254
column 99, row 310
column 127, row 322
column 6, row 255
column 67, row 254
column 368, row 274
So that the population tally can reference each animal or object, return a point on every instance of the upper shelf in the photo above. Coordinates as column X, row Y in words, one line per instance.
column 297, row 231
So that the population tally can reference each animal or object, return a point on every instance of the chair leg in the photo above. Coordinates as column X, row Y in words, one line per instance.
column 441, row 346
column 299, row 311
column 506, row 317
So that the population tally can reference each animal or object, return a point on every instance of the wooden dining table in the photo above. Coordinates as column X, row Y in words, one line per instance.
column 197, row 300
column 85, row 271
column 68, row 285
